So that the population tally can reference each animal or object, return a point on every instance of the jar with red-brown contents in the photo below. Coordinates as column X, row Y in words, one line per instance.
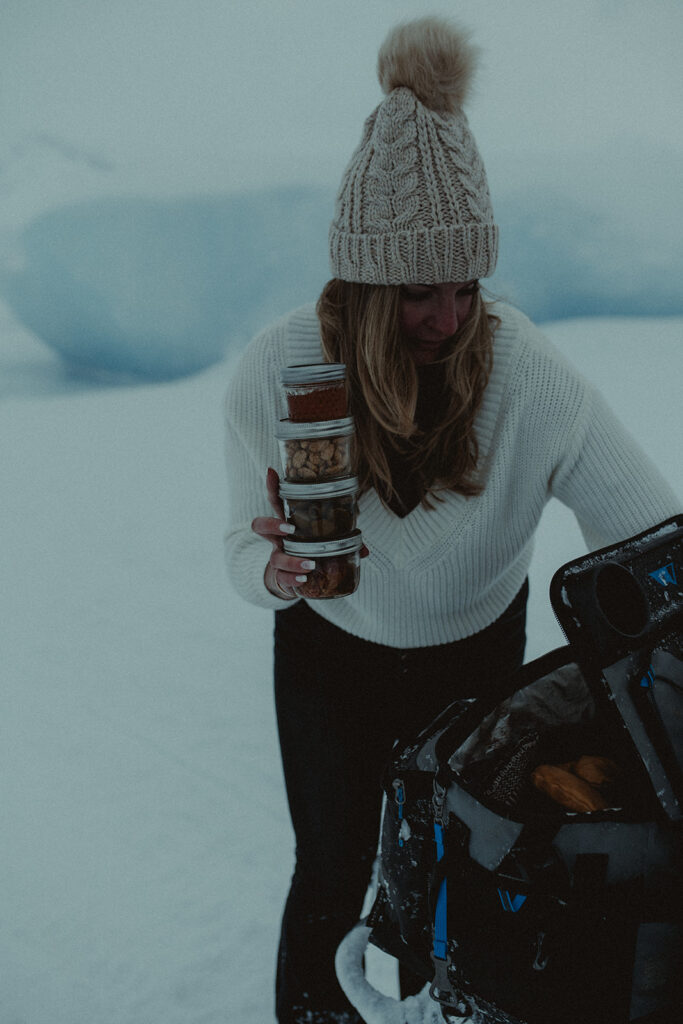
column 337, row 566
column 315, row 392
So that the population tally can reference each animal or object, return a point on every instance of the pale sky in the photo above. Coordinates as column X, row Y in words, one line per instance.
column 167, row 96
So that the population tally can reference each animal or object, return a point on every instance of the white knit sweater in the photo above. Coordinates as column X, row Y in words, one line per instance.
column 440, row 575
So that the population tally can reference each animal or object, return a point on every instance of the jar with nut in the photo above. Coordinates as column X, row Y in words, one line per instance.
column 313, row 452
column 337, row 566
column 321, row 510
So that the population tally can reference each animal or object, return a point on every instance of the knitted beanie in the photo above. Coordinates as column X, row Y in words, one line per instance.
column 414, row 204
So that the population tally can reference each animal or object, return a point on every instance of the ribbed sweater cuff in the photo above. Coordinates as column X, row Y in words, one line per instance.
column 246, row 576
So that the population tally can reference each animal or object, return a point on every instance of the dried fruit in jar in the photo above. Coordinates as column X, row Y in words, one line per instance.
column 332, row 577
column 337, row 562
column 331, row 517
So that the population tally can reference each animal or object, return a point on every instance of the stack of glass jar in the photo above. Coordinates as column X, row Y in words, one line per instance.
column 318, row 491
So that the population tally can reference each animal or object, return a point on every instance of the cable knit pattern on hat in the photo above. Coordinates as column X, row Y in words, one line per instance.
column 414, row 203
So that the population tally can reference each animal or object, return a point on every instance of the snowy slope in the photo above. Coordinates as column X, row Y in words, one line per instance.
column 146, row 842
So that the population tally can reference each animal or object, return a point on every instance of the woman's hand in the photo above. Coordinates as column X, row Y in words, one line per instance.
column 282, row 571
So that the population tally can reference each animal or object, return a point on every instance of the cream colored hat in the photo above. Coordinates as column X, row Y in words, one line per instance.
column 414, row 203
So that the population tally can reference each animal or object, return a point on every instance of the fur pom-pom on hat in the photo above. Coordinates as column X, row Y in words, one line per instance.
column 433, row 58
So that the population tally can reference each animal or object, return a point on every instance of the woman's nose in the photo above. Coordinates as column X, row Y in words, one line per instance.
column 446, row 318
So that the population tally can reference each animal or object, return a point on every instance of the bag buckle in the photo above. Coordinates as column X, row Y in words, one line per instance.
column 442, row 991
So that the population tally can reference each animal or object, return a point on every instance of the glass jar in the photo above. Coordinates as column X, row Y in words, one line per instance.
column 315, row 392
column 319, row 511
column 337, row 566
column 313, row 452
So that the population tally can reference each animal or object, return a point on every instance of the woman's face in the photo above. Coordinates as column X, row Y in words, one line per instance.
column 431, row 314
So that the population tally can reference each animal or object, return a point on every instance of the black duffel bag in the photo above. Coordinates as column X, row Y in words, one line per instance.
column 531, row 853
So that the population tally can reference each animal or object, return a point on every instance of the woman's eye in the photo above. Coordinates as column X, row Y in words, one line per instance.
column 469, row 289
column 466, row 291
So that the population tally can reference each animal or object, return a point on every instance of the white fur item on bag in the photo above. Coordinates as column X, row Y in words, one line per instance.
column 373, row 1006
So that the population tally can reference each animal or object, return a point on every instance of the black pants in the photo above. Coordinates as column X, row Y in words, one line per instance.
column 341, row 704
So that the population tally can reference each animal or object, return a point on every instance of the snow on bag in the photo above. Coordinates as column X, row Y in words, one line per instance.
column 530, row 856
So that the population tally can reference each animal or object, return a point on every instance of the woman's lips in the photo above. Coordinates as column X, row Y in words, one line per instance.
column 427, row 345
column 425, row 351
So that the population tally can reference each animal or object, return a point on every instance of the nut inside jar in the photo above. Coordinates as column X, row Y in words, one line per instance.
column 317, row 460
column 316, row 451
column 321, row 510
column 323, row 518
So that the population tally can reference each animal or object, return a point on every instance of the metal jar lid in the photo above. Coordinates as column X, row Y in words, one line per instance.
column 339, row 546
column 287, row 430
column 313, row 373
column 324, row 489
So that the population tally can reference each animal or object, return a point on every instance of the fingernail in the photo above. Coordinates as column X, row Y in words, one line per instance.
column 301, row 579
column 307, row 564
column 287, row 528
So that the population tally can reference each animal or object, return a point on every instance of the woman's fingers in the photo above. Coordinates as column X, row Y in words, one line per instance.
column 289, row 569
column 290, row 563
column 285, row 571
column 271, row 529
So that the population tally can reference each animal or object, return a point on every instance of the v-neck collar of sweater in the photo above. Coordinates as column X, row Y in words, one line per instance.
column 401, row 540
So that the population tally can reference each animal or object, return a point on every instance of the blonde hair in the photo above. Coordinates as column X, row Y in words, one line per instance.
column 360, row 326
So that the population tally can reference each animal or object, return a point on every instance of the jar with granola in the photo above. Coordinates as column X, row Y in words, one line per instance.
column 337, row 565
column 313, row 452
column 319, row 511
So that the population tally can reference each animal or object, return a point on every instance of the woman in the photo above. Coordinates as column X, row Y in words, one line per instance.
column 467, row 422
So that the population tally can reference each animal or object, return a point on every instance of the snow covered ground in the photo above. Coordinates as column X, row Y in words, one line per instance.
column 146, row 846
